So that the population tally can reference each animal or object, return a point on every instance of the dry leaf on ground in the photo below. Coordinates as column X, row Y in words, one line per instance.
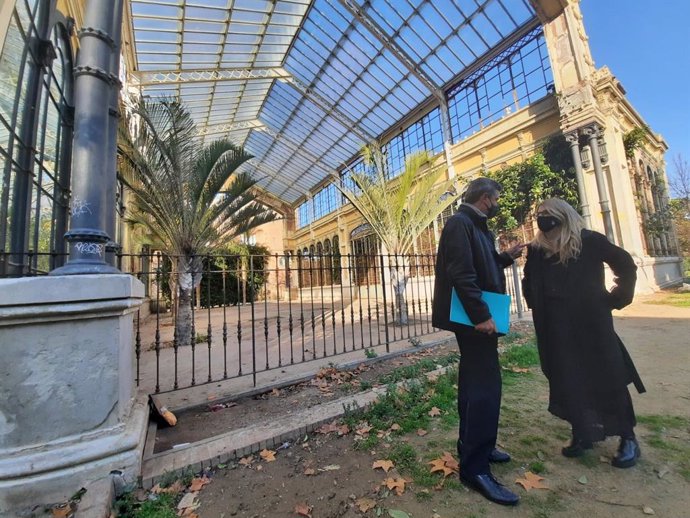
column 198, row 483
column 395, row 427
column 531, row 481
column 395, row 484
column 188, row 500
column 330, row 467
column 173, row 489
column 435, row 411
column 310, row 472
column 445, row 463
column 327, row 428
column 246, row 461
column 303, row 510
column 363, row 428
column 421, row 432
column 268, row 455
column 440, row 465
column 385, row 465
column 364, row 504
column 62, row 511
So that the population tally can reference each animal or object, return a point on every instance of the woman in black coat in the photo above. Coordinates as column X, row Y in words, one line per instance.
column 581, row 355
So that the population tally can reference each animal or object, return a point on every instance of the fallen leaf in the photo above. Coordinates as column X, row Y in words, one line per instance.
column 395, row 484
column 303, row 510
column 385, row 465
column 663, row 471
column 309, row 472
column 188, row 513
column 188, row 500
column 531, row 481
column 173, row 489
column 198, row 483
column 343, row 430
column 330, row 467
column 246, row 461
column 363, row 428
column 364, row 504
column 275, row 392
column 448, row 457
column 648, row 510
column 268, row 455
column 421, row 432
column 62, row 510
column 434, row 412
column 394, row 513
column 327, row 428
column 438, row 465
column 395, row 427
column 583, row 479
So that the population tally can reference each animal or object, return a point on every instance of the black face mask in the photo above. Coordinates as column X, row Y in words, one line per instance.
column 493, row 210
column 546, row 223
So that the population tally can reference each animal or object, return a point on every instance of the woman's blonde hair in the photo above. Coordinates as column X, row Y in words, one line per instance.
column 568, row 240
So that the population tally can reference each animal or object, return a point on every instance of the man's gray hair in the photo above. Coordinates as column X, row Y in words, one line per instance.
column 479, row 187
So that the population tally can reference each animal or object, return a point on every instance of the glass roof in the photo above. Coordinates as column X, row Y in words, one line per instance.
column 302, row 84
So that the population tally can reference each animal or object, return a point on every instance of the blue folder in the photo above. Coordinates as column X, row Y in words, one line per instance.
column 499, row 307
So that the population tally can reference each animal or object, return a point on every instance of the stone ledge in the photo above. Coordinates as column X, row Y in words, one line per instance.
column 68, row 288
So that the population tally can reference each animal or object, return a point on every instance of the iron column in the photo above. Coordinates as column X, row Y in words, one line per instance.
column 91, row 185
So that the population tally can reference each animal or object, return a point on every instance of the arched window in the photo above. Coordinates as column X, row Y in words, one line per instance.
column 36, row 118
column 337, row 271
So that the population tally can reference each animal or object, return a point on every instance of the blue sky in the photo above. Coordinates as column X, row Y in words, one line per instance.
column 645, row 44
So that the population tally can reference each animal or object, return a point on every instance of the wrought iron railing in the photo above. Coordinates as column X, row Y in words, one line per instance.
column 216, row 317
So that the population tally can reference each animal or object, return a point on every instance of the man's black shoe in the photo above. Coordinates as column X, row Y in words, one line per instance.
column 491, row 489
column 498, row 457
column 628, row 453
column 576, row 448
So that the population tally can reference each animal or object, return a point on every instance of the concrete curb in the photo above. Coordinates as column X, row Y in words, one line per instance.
column 240, row 443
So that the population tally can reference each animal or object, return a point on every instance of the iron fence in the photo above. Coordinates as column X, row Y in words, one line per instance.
column 216, row 317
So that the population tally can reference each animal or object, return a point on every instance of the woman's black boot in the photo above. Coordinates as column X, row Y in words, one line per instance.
column 576, row 448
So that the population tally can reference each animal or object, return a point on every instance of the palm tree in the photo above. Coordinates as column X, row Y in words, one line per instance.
column 400, row 209
column 189, row 196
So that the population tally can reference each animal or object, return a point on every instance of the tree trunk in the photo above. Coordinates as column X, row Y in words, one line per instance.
column 399, row 284
column 185, row 282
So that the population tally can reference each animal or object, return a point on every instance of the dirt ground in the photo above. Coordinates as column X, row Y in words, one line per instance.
column 657, row 337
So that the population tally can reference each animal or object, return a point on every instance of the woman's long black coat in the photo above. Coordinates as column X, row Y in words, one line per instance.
column 590, row 342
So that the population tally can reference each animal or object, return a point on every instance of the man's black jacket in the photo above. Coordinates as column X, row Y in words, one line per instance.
column 468, row 261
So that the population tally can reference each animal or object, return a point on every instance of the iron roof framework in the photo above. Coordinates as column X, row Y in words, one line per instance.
column 302, row 84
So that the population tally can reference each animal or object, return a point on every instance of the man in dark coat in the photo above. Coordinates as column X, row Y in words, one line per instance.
column 467, row 260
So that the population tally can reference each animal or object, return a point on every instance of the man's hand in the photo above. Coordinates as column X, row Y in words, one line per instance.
column 488, row 327
column 515, row 251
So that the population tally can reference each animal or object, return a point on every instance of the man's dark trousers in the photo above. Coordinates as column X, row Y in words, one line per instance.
column 479, row 401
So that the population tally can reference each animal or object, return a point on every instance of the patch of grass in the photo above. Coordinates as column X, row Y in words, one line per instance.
column 543, row 507
column 370, row 353
column 127, row 506
column 673, row 448
column 168, row 478
column 590, row 459
column 661, row 423
column 537, row 467
column 418, row 368
column 409, row 407
column 679, row 300
column 521, row 356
